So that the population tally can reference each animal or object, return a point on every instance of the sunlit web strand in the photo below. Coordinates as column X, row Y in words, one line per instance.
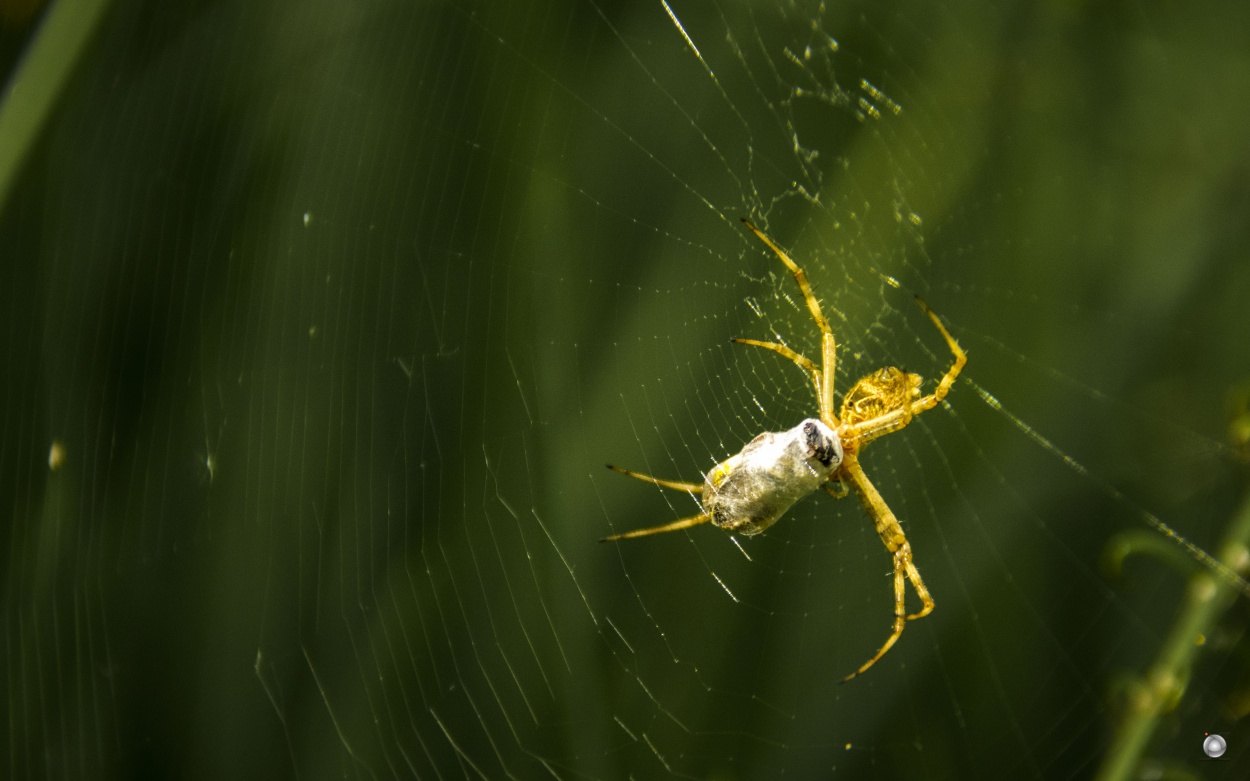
column 1204, row 558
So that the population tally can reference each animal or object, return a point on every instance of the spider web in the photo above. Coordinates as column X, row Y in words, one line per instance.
column 323, row 319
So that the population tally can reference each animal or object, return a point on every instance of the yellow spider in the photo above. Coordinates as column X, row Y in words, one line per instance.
column 751, row 490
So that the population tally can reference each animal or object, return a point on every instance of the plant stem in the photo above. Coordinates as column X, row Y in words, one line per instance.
column 1206, row 599
column 31, row 94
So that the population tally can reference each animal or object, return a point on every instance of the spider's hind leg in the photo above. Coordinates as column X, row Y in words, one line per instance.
column 684, row 523
column 676, row 485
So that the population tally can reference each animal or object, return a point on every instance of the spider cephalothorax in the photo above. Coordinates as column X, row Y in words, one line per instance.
column 878, row 393
column 752, row 489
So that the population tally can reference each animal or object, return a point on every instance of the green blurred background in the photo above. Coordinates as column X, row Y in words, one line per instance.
column 320, row 320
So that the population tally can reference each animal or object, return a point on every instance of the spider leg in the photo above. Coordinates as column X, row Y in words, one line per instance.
column 863, row 433
column 948, row 379
column 828, row 348
column 684, row 523
column 896, row 543
column 785, row 352
column 694, row 488
column 837, row 493
column 868, row 430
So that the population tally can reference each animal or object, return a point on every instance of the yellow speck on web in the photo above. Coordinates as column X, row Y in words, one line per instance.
column 56, row 455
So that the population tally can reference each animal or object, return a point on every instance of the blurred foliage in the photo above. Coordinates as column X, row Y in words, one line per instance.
column 320, row 318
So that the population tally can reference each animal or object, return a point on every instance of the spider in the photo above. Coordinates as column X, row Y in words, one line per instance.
column 751, row 490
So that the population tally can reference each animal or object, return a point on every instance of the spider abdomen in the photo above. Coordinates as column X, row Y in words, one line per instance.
column 751, row 490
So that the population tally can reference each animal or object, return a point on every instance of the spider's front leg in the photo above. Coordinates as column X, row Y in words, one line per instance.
column 801, row 361
column 948, row 379
column 822, row 378
column 896, row 543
